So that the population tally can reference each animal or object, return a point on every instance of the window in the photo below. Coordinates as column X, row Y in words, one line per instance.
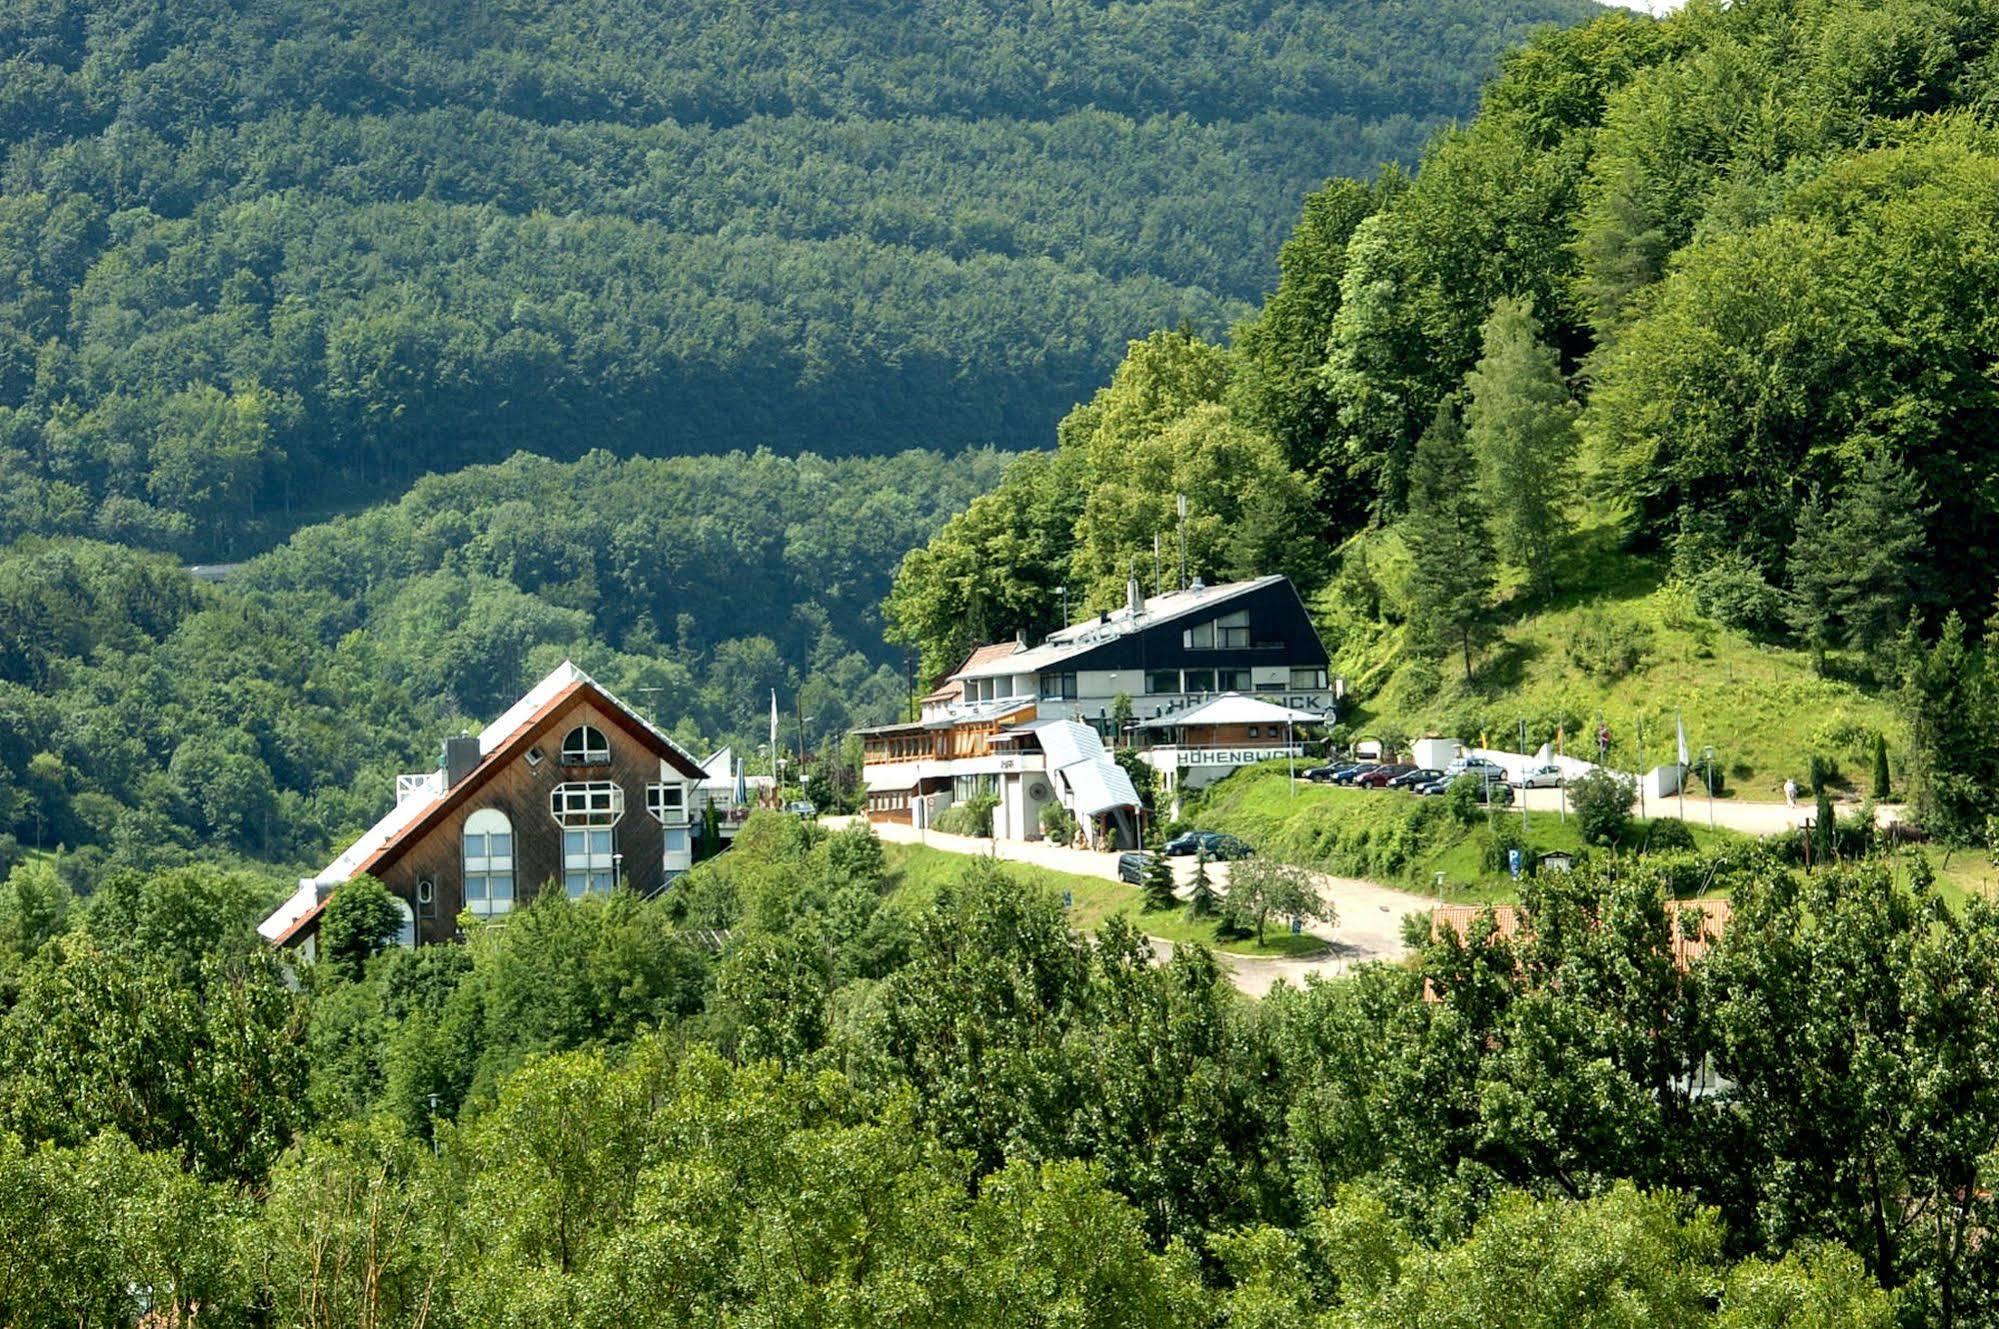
column 588, row 862
column 1232, row 680
column 1255, row 732
column 1162, row 680
column 489, row 863
column 587, row 803
column 406, row 930
column 586, row 746
column 1200, row 680
column 667, row 802
column 1058, row 687
column 1230, row 632
column 676, row 840
column 1308, row 680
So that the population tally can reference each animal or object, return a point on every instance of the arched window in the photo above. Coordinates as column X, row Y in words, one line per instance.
column 586, row 746
column 405, row 934
column 489, row 863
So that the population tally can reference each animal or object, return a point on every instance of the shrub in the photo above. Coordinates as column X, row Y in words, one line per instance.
column 1879, row 789
column 1058, row 823
column 1733, row 592
column 1606, row 646
column 1668, row 835
column 1496, row 843
column 1602, row 802
column 1463, row 799
column 974, row 816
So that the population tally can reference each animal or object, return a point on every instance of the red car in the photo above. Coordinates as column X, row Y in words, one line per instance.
column 1379, row 777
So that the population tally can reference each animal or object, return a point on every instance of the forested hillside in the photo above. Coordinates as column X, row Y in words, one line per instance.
column 146, row 718
column 258, row 261
column 1699, row 304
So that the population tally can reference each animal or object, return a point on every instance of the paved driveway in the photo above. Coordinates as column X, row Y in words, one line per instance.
column 1367, row 925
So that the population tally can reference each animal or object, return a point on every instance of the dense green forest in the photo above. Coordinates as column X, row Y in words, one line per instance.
column 256, row 262
column 146, row 718
column 872, row 1109
column 1708, row 293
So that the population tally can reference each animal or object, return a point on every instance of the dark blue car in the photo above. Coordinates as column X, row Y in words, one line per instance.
column 1217, row 846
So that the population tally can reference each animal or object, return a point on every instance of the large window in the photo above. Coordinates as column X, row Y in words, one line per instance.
column 1058, row 687
column 489, row 863
column 488, row 860
column 1232, row 680
column 587, row 810
column 589, row 861
column 1308, row 680
column 405, row 930
column 586, row 746
column 1200, row 680
column 1162, row 680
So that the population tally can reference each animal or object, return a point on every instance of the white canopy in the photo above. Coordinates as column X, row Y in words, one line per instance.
column 1234, row 708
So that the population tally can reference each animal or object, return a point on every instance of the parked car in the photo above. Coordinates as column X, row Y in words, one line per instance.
column 1131, row 866
column 1411, row 778
column 1485, row 766
column 1353, row 773
column 800, row 807
column 1379, row 777
column 1541, row 777
column 1431, row 788
column 1320, row 774
column 1214, row 843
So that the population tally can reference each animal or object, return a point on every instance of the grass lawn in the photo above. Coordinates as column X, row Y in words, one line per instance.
column 1617, row 642
column 918, row 872
column 1389, row 836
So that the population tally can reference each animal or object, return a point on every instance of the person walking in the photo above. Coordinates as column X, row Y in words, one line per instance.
column 1790, row 792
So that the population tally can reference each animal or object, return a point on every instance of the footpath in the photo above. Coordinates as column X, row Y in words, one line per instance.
column 1367, row 917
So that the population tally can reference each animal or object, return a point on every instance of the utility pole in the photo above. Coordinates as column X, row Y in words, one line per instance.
column 1641, row 768
column 1524, row 779
column 1063, row 591
column 798, row 709
column 1708, row 755
column 1181, row 503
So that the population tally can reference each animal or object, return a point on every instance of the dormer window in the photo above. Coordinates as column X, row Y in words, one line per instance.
column 586, row 746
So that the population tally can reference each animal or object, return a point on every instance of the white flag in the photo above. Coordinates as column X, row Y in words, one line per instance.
column 773, row 732
column 1682, row 727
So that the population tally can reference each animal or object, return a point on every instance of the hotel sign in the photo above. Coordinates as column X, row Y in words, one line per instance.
column 1231, row 756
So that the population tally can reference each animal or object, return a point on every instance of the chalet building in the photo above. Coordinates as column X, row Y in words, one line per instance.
column 1028, row 724
column 570, row 788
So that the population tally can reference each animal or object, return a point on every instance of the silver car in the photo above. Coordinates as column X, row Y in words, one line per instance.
column 1541, row 777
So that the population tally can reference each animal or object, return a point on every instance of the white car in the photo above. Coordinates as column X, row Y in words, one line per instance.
column 1541, row 777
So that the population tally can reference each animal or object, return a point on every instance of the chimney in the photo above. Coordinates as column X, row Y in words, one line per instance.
column 1103, row 617
column 460, row 756
column 1197, row 585
column 1134, row 603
